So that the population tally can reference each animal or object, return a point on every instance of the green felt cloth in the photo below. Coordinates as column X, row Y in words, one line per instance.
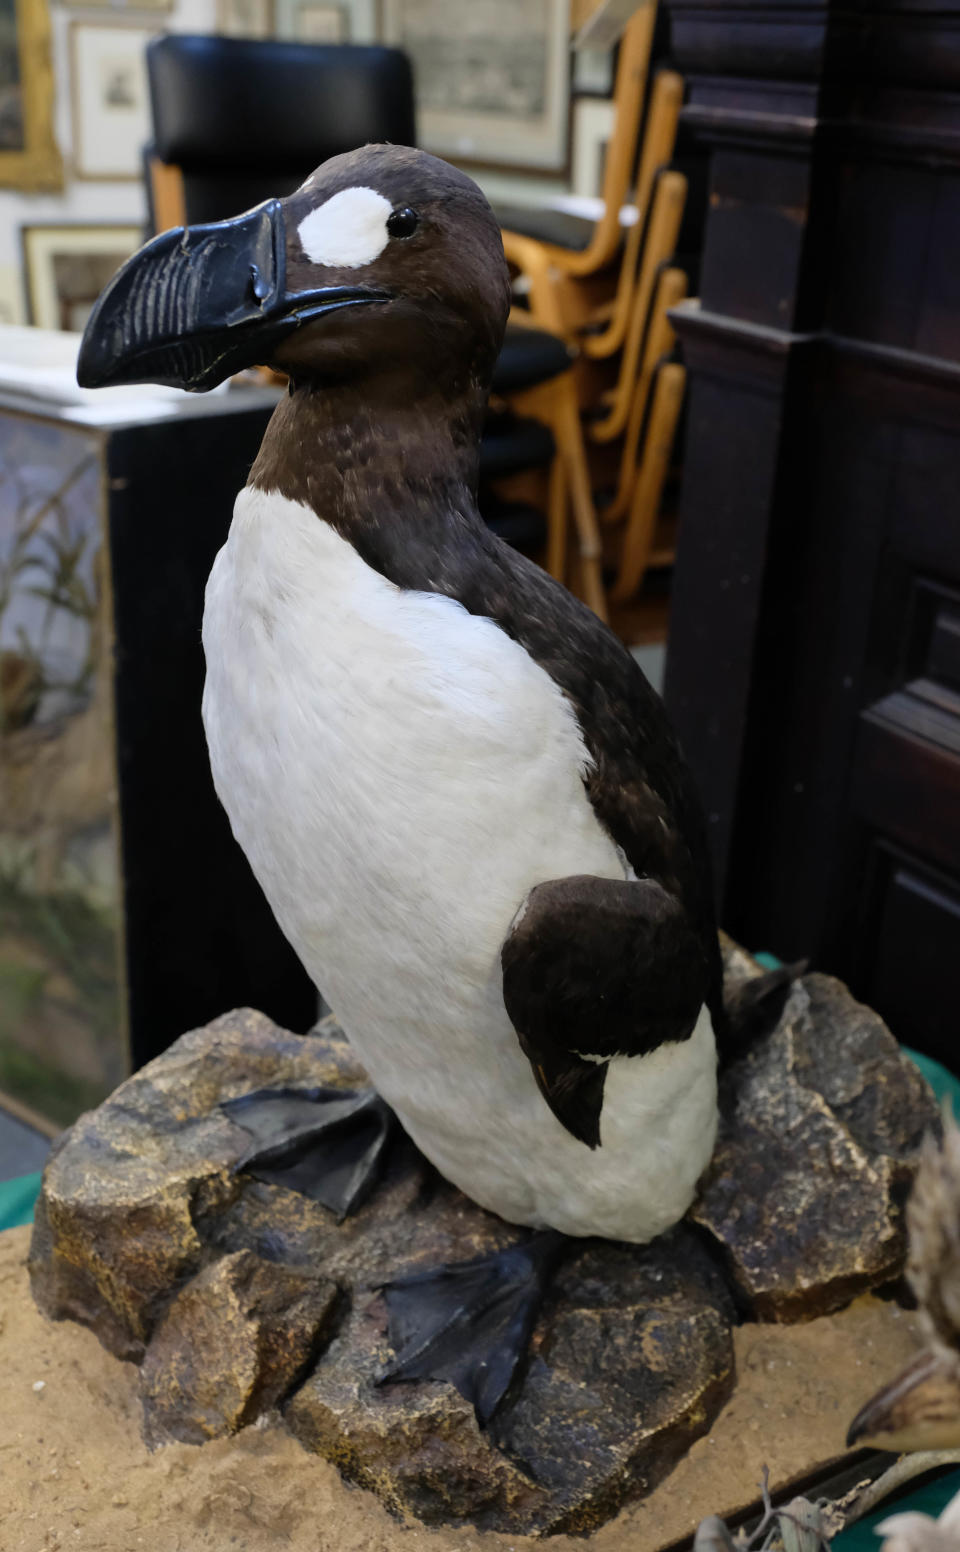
column 17, row 1198
column 930, row 1499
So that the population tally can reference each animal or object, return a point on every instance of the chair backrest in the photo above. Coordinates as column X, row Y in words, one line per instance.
column 245, row 119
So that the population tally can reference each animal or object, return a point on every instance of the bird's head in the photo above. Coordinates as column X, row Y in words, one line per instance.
column 385, row 260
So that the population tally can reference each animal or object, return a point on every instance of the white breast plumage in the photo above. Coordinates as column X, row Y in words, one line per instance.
column 400, row 774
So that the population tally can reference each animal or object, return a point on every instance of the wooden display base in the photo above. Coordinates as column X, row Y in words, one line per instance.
column 76, row 1473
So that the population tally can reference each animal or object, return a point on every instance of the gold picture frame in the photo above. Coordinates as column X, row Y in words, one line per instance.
column 66, row 266
column 245, row 18
column 29, row 156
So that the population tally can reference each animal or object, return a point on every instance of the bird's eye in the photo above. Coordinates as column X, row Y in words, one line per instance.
column 402, row 222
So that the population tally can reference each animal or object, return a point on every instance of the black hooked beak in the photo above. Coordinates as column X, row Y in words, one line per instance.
column 201, row 302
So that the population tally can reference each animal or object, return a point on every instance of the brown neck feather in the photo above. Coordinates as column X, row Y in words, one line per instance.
column 354, row 450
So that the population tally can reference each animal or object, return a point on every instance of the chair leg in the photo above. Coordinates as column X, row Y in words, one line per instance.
column 659, row 343
column 570, row 494
column 569, row 435
column 666, row 100
column 557, row 521
column 651, row 474
column 665, row 218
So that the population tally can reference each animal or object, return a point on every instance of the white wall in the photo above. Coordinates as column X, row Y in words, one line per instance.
column 125, row 203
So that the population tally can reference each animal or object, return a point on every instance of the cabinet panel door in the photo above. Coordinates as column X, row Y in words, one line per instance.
column 912, row 970
column 906, row 789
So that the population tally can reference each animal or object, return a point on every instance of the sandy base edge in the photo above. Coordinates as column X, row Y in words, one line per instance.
column 76, row 1474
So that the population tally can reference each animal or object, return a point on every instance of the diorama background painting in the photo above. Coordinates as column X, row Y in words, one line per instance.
column 12, row 132
column 62, row 1040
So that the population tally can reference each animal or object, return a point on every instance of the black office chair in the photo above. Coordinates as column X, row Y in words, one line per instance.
column 240, row 120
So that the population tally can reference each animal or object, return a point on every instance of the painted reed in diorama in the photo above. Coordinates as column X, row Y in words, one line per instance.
column 61, row 1044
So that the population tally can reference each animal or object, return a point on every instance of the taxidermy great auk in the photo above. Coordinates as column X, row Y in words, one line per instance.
column 462, row 799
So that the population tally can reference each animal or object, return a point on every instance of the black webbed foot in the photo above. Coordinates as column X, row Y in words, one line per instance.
column 327, row 1143
column 470, row 1323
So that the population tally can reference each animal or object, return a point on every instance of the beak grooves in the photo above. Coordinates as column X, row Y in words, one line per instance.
column 199, row 303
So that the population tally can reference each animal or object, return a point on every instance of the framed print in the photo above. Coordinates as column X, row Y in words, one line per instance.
column 66, row 267
column 328, row 21
column 11, row 295
column 119, row 7
column 245, row 18
column 593, row 72
column 593, row 121
column 29, row 158
column 111, row 106
column 492, row 78
column 311, row 23
column 363, row 21
column 603, row 25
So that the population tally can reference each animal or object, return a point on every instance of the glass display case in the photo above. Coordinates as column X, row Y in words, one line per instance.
column 127, row 913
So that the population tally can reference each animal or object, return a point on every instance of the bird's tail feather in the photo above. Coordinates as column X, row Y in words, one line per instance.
column 752, row 1009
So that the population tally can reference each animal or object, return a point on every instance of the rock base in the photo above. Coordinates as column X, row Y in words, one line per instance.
column 76, row 1472
column 236, row 1296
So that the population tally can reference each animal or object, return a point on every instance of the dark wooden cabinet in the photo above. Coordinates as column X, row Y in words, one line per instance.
column 813, row 667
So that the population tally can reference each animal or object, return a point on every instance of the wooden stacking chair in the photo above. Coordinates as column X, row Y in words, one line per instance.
column 658, row 343
column 647, row 437
column 555, row 299
column 659, row 246
column 571, row 248
column 648, row 444
column 605, row 332
column 570, row 506
column 561, row 292
column 637, row 551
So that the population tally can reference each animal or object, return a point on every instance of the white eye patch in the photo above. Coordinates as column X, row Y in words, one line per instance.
column 347, row 230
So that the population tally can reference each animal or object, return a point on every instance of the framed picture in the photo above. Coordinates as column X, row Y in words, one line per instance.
column 593, row 72
column 119, row 6
column 29, row 158
column 311, row 23
column 66, row 268
column 245, row 18
column 111, row 105
column 593, row 120
column 492, row 78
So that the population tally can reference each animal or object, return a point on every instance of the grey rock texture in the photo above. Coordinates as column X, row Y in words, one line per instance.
column 630, row 1362
column 819, row 1129
column 236, row 1296
column 115, row 1232
column 231, row 1344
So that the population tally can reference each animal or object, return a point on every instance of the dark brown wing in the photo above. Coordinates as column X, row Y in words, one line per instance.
column 595, row 968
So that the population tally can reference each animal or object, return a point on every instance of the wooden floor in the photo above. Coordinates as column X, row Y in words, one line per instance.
column 644, row 620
